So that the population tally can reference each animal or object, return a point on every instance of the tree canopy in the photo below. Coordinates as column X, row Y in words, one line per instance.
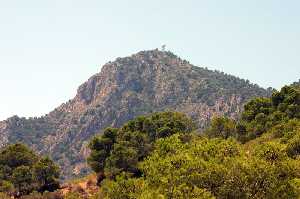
column 256, row 156
column 120, row 150
column 22, row 171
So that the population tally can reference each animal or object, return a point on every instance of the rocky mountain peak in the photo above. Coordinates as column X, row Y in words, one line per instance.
column 131, row 73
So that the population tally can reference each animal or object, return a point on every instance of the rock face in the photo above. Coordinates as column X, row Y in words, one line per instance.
column 145, row 82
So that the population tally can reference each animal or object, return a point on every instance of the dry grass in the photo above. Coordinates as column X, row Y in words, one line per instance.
column 86, row 187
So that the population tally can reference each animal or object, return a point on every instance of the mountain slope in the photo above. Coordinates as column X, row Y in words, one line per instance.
column 145, row 82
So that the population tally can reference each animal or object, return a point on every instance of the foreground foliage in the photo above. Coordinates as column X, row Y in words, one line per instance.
column 22, row 171
column 159, row 156
column 120, row 150
column 208, row 168
column 254, row 157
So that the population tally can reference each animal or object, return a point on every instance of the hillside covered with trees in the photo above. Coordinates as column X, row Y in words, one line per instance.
column 146, row 82
column 255, row 156
column 162, row 155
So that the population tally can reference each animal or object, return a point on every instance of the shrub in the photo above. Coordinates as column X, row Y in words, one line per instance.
column 22, row 171
column 293, row 146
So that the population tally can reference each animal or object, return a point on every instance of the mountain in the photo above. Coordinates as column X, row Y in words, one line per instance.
column 145, row 82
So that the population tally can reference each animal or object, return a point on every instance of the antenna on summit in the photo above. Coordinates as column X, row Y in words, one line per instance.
column 163, row 47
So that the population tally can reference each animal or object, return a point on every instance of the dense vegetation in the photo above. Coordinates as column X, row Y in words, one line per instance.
column 22, row 171
column 215, row 168
column 162, row 156
column 261, row 115
column 120, row 150
column 253, row 157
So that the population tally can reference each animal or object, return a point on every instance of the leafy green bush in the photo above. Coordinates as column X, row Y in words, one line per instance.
column 271, row 152
column 293, row 146
column 222, row 127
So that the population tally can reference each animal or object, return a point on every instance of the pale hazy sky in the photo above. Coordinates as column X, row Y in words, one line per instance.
column 49, row 47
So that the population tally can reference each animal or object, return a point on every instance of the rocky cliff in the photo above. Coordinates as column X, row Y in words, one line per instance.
column 145, row 82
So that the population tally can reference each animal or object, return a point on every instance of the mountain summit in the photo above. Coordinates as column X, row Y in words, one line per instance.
column 145, row 82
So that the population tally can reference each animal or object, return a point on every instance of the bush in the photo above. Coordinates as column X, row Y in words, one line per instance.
column 22, row 171
column 208, row 168
column 221, row 127
column 120, row 150
column 271, row 152
column 293, row 146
